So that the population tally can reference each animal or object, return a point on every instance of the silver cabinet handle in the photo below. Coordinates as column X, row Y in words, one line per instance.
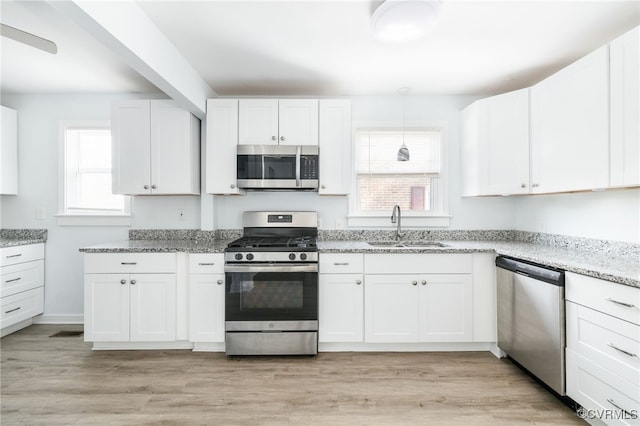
column 128, row 263
column 146, row 187
column 273, row 138
column 358, row 282
column 341, row 263
column 13, row 280
column 414, row 282
column 535, row 185
column 232, row 186
column 628, row 413
column 14, row 255
column 154, row 186
column 282, row 138
column 133, row 282
column 626, row 305
column 611, row 345
column 219, row 282
column 206, row 264
column 123, row 282
column 524, row 185
column 323, row 186
column 424, row 282
column 13, row 310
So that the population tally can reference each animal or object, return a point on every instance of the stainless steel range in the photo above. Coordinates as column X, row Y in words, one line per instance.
column 271, row 299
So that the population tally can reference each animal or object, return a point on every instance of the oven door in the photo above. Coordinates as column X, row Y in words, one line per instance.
column 271, row 292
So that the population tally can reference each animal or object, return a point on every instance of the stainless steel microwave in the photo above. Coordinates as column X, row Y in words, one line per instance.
column 278, row 167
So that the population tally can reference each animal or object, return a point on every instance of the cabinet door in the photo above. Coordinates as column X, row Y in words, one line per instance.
column 625, row 109
column 335, row 146
column 504, row 146
column 341, row 308
column 106, row 307
column 258, row 122
column 131, row 150
column 206, row 307
column 446, row 310
column 298, row 122
column 570, row 127
column 9, row 151
column 222, row 146
column 391, row 308
column 174, row 150
column 470, row 147
column 153, row 307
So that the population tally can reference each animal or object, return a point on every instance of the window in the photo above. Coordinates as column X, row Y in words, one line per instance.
column 381, row 182
column 86, row 173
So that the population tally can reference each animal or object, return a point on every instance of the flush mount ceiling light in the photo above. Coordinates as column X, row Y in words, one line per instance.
column 397, row 21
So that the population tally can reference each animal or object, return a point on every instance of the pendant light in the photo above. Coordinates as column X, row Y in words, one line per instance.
column 403, row 152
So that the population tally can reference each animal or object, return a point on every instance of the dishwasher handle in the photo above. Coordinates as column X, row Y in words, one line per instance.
column 532, row 270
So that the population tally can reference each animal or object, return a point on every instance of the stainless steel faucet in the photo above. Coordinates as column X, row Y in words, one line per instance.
column 397, row 218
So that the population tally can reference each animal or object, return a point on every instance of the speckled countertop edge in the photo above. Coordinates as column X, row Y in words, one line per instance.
column 22, row 237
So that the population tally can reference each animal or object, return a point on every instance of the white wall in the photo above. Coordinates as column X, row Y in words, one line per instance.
column 38, row 120
column 609, row 215
column 468, row 213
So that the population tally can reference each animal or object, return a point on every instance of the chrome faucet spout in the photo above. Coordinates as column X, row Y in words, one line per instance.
column 396, row 217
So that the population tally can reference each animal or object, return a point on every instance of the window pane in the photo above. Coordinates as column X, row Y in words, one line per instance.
column 95, row 149
column 383, row 192
column 378, row 151
column 95, row 192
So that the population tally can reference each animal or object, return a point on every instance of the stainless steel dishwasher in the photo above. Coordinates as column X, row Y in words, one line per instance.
column 531, row 318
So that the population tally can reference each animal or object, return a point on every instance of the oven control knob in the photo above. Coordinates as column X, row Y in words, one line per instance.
column 238, row 256
column 249, row 256
column 292, row 256
column 303, row 256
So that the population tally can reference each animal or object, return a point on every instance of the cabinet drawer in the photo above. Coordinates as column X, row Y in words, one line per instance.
column 130, row 263
column 609, row 342
column 206, row 263
column 21, row 277
column 418, row 263
column 598, row 389
column 341, row 263
column 20, row 254
column 614, row 299
column 21, row 306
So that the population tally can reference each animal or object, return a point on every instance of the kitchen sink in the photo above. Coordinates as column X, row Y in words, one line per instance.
column 406, row 244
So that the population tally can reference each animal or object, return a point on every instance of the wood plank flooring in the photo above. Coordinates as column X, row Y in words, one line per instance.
column 60, row 381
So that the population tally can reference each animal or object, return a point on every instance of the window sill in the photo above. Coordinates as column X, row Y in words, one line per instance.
column 407, row 221
column 93, row 220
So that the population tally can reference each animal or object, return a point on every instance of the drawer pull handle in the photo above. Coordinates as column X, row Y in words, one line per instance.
column 13, row 310
column 13, row 280
column 133, row 282
column 219, row 282
column 206, row 264
column 128, row 263
column 611, row 345
column 627, row 413
column 626, row 305
column 358, row 282
column 14, row 255
column 123, row 282
column 341, row 263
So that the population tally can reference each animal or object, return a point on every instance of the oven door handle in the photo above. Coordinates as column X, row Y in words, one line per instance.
column 312, row 267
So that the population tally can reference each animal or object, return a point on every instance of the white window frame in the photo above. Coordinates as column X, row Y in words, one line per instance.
column 410, row 219
column 89, row 217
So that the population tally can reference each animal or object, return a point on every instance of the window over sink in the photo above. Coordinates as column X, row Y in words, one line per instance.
column 418, row 186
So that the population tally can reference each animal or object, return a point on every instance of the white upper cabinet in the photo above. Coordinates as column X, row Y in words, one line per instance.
column 9, row 152
column 625, row 112
column 221, row 147
column 495, row 145
column 273, row 122
column 156, row 148
column 335, row 146
column 570, row 127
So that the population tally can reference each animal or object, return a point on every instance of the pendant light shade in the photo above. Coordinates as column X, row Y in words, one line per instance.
column 397, row 21
column 403, row 152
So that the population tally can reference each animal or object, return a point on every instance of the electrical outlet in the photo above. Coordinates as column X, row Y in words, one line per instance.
column 180, row 214
column 40, row 213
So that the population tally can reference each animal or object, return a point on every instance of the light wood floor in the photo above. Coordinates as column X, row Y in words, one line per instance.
column 60, row 381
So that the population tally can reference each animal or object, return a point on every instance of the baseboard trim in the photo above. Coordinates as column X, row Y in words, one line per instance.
column 406, row 347
column 59, row 319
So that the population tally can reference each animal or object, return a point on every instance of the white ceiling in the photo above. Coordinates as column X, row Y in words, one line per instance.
column 322, row 47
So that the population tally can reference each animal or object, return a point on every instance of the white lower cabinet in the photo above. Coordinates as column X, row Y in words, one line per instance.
column 206, row 298
column 130, row 297
column 603, row 348
column 418, row 298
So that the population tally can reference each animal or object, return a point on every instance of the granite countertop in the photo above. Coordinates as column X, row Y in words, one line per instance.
column 22, row 237
column 159, row 246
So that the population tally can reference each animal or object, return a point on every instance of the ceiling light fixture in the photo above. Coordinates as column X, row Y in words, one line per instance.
column 403, row 152
column 397, row 21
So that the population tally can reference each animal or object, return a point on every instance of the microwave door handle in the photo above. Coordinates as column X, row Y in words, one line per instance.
column 262, row 160
column 298, row 152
